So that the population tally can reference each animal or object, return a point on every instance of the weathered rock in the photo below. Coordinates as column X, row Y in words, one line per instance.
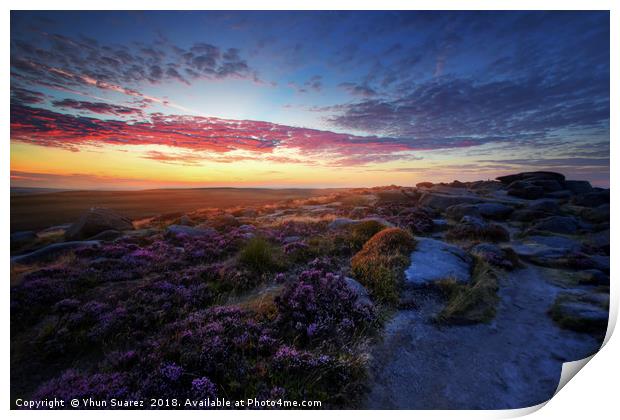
column 594, row 198
column 545, row 205
column 176, row 230
column 557, row 224
column 443, row 201
column 526, row 191
column 539, row 175
column 22, row 238
column 434, row 260
column 528, row 215
column 546, row 250
column 495, row 211
column 95, row 221
column 52, row 251
column 560, row 195
column 578, row 187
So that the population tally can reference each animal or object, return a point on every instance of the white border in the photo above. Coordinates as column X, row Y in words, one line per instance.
column 593, row 394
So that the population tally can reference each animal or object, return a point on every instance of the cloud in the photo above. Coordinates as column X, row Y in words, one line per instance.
column 200, row 134
column 315, row 83
column 26, row 96
column 358, row 90
column 98, row 107
column 61, row 62
column 444, row 109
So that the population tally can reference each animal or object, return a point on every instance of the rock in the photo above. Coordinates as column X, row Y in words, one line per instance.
column 557, row 224
column 578, row 187
column 363, row 298
column 549, row 185
column 95, row 221
column 539, row 175
column 22, row 238
column 545, row 205
column 526, row 191
column 593, row 277
column 528, row 215
column 546, row 250
column 176, row 230
column 51, row 251
column 582, row 312
column 424, row 185
column 599, row 242
column 434, row 260
column 106, row 235
column 340, row 223
column 594, row 198
column 495, row 255
column 598, row 214
column 443, row 201
column 561, row 195
column 457, row 211
column 495, row 211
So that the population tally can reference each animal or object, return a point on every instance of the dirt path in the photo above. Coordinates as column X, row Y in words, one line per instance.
column 513, row 362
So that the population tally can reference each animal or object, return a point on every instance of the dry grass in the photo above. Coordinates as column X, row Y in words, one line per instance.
column 470, row 303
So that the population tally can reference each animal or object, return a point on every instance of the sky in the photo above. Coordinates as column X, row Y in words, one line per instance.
column 133, row 100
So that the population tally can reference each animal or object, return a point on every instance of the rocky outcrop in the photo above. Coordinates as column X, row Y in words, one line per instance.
column 435, row 260
column 557, row 224
column 442, row 201
column 95, row 221
column 531, row 176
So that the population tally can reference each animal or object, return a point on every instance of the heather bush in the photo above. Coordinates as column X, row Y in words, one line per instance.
column 379, row 265
column 319, row 308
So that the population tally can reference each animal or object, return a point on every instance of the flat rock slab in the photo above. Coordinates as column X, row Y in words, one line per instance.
column 433, row 260
column 546, row 246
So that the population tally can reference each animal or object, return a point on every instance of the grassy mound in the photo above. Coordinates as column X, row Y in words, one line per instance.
column 470, row 303
column 379, row 265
